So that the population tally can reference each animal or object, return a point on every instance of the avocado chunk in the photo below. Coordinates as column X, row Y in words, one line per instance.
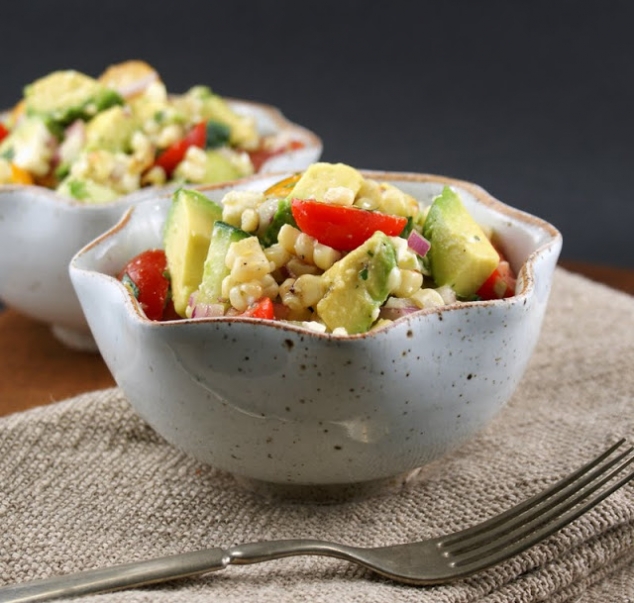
column 461, row 254
column 190, row 221
column 215, row 268
column 111, row 130
column 63, row 96
column 320, row 177
column 217, row 167
column 357, row 285
column 85, row 190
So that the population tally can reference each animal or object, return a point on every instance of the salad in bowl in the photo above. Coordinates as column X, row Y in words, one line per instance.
column 323, row 333
column 77, row 151
column 96, row 139
column 328, row 249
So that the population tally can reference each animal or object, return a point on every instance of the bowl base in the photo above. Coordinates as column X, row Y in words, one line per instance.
column 326, row 493
column 81, row 341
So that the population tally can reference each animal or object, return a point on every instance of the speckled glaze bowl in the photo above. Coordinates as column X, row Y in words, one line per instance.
column 302, row 414
column 40, row 231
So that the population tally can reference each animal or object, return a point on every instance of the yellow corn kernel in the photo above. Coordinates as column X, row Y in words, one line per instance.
column 339, row 195
column 154, row 177
column 297, row 267
column 277, row 255
column 235, row 203
column 324, row 257
column 246, row 260
column 410, row 282
column 287, row 295
column 304, row 245
column 427, row 298
column 287, row 237
column 169, row 135
column 309, row 289
column 270, row 288
column 249, row 220
column 243, row 295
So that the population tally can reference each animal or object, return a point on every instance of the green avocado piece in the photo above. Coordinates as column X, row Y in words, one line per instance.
column 186, row 238
column 63, row 96
column 86, row 191
column 358, row 285
column 218, row 168
column 321, row 176
column 111, row 130
column 215, row 269
column 461, row 254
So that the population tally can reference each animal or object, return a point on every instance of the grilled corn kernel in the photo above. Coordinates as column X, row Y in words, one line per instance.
column 395, row 201
column 309, row 288
column 243, row 295
column 324, row 257
column 287, row 237
column 277, row 255
column 287, row 295
column 427, row 298
column 236, row 202
column 297, row 267
column 410, row 282
column 154, row 177
column 250, row 220
column 246, row 260
column 304, row 246
column 339, row 195
column 169, row 135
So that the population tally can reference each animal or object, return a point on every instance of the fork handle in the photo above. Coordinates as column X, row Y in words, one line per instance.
column 120, row 576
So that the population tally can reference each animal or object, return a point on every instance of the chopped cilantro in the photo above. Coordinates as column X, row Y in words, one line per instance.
column 77, row 189
column 217, row 134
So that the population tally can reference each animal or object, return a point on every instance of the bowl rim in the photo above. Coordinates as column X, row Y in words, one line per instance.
column 527, row 270
column 275, row 114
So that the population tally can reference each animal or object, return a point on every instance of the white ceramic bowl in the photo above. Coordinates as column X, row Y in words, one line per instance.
column 292, row 411
column 40, row 231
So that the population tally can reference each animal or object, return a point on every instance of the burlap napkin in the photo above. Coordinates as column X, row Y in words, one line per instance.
column 85, row 483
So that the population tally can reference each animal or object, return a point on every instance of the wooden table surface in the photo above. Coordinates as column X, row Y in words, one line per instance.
column 36, row 369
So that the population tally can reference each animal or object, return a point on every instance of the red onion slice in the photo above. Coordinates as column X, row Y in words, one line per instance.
column 418, row 243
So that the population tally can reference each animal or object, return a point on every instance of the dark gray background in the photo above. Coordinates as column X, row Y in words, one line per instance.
column 531, row 100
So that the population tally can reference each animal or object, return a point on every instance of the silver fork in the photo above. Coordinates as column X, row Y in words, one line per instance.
column 433, row 561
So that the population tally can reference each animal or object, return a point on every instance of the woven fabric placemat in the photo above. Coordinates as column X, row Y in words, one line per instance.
column 86, row 483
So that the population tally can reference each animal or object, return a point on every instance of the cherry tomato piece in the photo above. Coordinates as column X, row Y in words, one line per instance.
column 4, row 132
column 343, row 227
column 175, row 153
column 263, row 308
column 145, row 275
column 500, row 284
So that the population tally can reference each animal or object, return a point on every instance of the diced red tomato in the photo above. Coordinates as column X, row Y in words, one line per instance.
column 263, row 308
column 175, row 153
column 343, row 227
column 262, row 155
column 146, row 275
column 500, row 284
column 4, row 132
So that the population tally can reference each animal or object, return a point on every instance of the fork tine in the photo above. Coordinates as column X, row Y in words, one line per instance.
column 488, row 556
column 543, row 500
column 523, row 530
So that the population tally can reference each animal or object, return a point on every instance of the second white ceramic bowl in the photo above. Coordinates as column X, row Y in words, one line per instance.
column 40, row 231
